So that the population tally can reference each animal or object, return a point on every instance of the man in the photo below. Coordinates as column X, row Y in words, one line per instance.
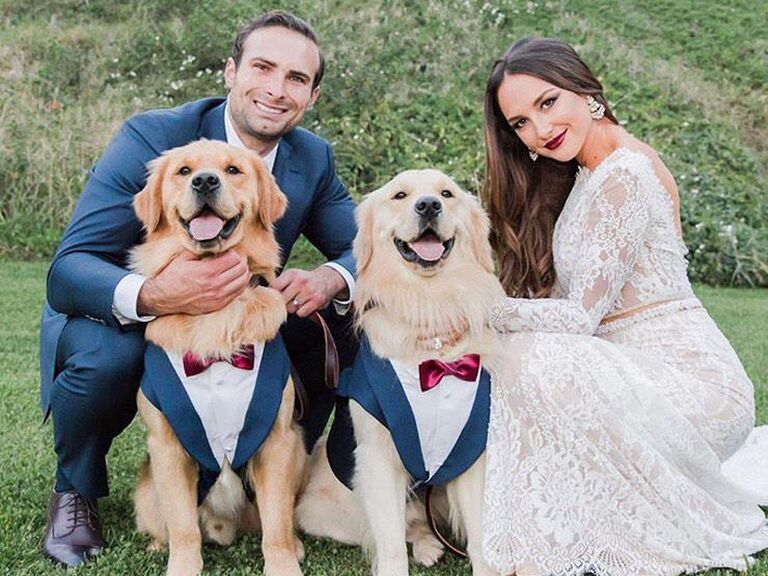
column 92, row 340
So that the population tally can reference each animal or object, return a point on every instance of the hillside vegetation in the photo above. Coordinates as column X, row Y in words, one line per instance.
column 403, row 89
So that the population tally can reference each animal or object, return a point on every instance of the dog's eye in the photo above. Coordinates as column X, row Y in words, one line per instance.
column 446, row 194
column 232, row 169
column 399, row 196
column 184, row 171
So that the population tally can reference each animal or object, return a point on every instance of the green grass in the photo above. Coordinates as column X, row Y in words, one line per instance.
column 27, row 454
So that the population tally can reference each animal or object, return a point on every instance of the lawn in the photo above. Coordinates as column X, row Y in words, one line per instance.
column 26, row 444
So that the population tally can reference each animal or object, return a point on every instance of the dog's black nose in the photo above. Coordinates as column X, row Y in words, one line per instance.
column 206, row 183
column 428, row 207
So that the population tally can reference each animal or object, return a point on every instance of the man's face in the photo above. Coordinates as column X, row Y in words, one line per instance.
column 272, row 87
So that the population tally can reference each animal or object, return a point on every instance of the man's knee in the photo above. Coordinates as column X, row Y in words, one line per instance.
column 93, row 357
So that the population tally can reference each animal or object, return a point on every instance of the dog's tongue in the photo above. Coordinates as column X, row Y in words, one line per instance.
column 428, row 248
column 206, row 227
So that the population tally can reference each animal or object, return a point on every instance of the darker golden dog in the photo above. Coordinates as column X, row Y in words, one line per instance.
column 205, row 198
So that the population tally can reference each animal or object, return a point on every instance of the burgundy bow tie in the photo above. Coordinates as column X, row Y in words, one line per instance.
column 432, row 371
column 243, row 359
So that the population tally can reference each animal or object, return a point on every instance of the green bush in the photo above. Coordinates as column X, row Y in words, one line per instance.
column 403, row 89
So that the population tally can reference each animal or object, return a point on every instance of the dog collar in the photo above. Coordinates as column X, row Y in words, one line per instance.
column 258, row 280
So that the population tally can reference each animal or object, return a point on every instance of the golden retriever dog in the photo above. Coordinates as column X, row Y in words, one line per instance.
column 424, row 291
column 205, row 198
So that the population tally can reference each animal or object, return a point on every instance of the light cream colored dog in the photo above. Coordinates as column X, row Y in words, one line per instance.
column 205, row 198
column 424, row 290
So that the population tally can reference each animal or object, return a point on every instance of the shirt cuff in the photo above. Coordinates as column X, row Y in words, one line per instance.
column 125, row 299
column 342, row 306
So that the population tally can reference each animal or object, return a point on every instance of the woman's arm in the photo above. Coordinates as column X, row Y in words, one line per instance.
column 612, row 233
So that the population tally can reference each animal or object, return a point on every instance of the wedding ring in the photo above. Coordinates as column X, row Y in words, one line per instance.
column 296, row 303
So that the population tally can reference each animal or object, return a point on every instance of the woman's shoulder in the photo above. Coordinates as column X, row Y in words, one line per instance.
column 626, row 158
column 643, row 163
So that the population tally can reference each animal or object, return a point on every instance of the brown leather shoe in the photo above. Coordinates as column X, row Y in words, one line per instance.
column 72, row 529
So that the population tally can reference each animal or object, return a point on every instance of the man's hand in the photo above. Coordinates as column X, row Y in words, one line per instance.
column 188, row 285
column 310, row 290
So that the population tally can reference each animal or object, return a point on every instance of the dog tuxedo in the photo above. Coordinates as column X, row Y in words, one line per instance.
column 220, row 410
column 439, row 423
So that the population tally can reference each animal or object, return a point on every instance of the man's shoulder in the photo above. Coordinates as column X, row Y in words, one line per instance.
column 178, row 114
column 302, row 139
column 177, row 125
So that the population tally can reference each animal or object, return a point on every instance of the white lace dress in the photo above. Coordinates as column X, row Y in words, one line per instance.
column 607, row 438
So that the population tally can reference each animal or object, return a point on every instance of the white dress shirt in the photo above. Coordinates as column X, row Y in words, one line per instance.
column 221, row 395
column 441, row 412
column 126, row 296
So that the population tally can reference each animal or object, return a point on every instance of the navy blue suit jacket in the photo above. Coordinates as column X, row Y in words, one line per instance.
column 91, row 259
column 372, row 382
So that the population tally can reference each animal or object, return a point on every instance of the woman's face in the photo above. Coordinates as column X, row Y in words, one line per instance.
column 550, row 121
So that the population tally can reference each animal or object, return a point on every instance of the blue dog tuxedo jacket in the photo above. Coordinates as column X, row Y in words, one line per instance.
column 438, row 433
column 223, row 412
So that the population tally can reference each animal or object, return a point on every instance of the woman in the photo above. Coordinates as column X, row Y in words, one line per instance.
column 617, row 399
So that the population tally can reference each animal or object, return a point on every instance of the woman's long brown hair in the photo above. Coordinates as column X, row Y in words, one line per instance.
column 525, row 198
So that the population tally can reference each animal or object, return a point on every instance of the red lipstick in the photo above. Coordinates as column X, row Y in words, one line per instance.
column 554, row 144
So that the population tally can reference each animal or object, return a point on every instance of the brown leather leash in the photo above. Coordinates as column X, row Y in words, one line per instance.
column 301, row 400
column 433, row 526
column 330, row 358
column 330, row 369
column 331, row 354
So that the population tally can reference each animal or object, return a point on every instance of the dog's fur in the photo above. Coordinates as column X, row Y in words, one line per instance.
column 166, row 497
column 398, row 301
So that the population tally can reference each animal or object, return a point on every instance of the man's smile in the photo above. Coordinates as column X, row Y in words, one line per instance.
column 270, row 109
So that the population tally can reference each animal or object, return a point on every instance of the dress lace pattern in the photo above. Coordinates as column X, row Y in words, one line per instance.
column 607, row 438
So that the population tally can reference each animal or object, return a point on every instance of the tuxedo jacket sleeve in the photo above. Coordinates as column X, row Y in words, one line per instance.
column 328, row 226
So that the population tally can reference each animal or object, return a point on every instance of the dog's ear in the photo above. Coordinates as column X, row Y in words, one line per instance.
column 148, row 203
column 479, row 231
column 362, row 247
column 270, row 202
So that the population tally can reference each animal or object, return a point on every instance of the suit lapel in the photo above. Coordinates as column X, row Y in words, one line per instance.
column 265, row 403
column 291, row 180
column 212, row 126
column 472, row 440
column 397, row 411
column 286, row 169
column 162, row 387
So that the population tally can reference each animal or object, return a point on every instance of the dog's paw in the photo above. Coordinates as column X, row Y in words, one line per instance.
column 281, row 565
column 185, row 564
column 156, row 546
column 300, row 552
column 427, row 550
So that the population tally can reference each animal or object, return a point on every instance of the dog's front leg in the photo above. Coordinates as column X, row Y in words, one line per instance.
column 175, row 478
column 381, row 484
column 276, row 473
column 465, row 495
column 425, row 546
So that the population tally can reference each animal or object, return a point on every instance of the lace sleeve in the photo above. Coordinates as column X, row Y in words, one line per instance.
column 611, row 231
